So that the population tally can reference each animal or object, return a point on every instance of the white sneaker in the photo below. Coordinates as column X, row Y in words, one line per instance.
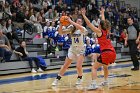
column 92, row 87
column 105, row 83
column 33, row 71
column 55, row 88
column 79, row 81
column 55, row 82
column 39, row 70
column 79, row 87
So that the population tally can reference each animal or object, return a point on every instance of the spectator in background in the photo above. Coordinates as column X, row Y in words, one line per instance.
column 3, row 27
column 7, row 9
column 36, row 20
column 47, row 2
column 26, row 15
column 74, row 15
column 132, row 39
column 2, row 5
column 59, row 6
column 51, row 29
column 51, row 47
column 11, row 33
column 14, row 7
column 23, row 53
column 5, row 48
column 41, row 13
column 46, row 29
column 49, row 14
column 94, row 10
column 65, row 7
column 38, row 25
column 60, row 2
column 41, row 17
column 32, row 14
column 96, row 21
column 20, row 15
column 107, row 14
column 56, row 14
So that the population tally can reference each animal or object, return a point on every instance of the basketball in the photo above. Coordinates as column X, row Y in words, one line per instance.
column 64, row 21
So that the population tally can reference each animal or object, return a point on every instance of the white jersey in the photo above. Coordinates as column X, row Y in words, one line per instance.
column 78, row 37
column 77, row 48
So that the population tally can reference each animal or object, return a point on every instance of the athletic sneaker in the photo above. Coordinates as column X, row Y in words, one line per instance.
column 105, row 83
column 33, row 71
column 2, row 60
column 79, row 81
column 39, row 70
column 79, row 87
column 55, row 88
column 92, row 87
column 55, row 82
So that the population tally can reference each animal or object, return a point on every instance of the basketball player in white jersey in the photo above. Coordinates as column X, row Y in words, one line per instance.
column 76, row 50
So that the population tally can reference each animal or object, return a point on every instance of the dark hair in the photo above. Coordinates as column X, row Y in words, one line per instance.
column 2, row 22
column 105, row 24
column 21, row 42
column 7, row 24
column 130, row 17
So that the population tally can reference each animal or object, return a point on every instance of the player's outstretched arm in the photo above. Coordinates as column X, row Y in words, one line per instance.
column 89, row 24
column 102, row 13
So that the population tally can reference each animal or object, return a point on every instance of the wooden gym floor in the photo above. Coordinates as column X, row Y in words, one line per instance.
column 121, row 80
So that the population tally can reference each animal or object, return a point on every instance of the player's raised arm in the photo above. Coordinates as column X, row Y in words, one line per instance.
column 102, row 13
column 89, row 24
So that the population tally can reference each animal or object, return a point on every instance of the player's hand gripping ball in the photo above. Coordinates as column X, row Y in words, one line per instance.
column 64, row 20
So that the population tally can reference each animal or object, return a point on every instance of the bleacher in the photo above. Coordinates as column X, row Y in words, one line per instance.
column 52, row 61
column 35, row 48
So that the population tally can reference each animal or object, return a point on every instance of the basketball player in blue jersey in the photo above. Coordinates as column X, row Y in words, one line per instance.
column 76, row 50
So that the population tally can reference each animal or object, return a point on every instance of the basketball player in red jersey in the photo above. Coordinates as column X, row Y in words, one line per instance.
column 108, row 54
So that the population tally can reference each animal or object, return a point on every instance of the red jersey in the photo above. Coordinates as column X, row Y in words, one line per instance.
column 105, row 42
column 108, row 54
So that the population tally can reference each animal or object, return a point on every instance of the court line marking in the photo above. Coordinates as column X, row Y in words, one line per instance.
column 53, row 75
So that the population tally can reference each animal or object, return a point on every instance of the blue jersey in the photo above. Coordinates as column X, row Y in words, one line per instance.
column 92, row 49
column 46, row 32
column 96, row 48
column 60, row 39
column 51, row 33
column 67, row 43
column 88, row 50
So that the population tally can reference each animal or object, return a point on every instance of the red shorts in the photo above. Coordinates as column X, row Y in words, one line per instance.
column 107, row 57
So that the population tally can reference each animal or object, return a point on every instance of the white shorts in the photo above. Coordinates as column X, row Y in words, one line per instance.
column 75, row 51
